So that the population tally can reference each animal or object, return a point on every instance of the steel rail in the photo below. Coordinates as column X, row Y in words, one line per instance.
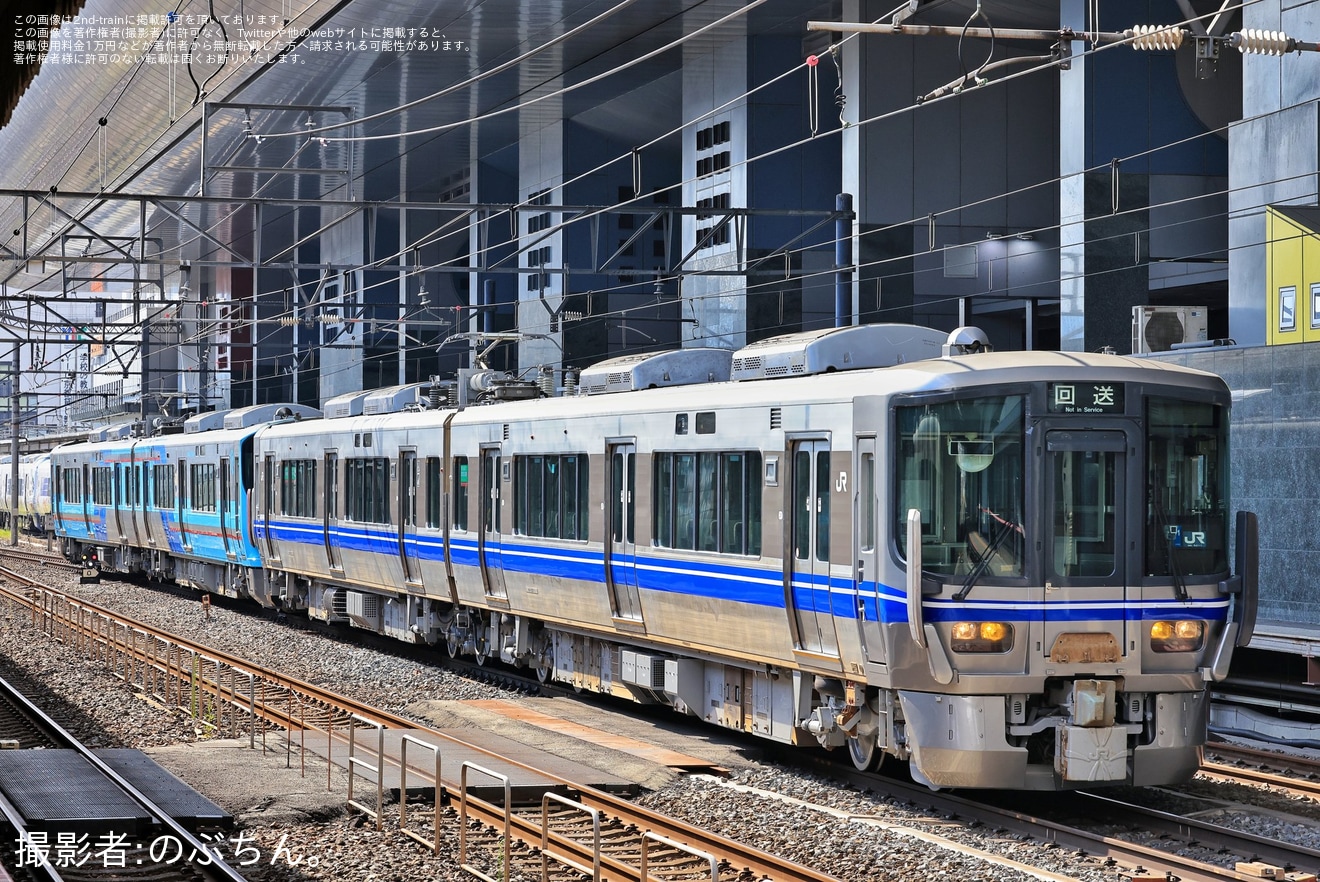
column 1307, row 767
column 48, row 601
column 1249, row 845
column 214, row 868
column 1030, row 825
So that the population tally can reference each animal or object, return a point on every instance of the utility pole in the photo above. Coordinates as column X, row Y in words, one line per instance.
column 13, row 445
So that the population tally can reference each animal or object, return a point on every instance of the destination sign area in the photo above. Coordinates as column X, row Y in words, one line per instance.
column 1086, row 397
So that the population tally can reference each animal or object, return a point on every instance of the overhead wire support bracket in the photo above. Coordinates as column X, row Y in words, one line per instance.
column 1141, row 37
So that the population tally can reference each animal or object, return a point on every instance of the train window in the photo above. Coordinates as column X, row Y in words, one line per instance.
column 1187, row 474
column 823, row 506
column 408, row 489
column 707, row 501
column 202, row 478
column 866, row 487
column 662, row 500
column 103, row 486
column 433, row 500
column 366, row 490
column 460, row 494
column 680, row 424
column 549, row 496
column 332, row 485
column 71, row 486
column 706, row 423
column 298, row 488
column 708, row 527
column 162, row 486
column 574, row 499
column 740, row 504
column 685, row 500
column 961, row 464
column 1084, row 482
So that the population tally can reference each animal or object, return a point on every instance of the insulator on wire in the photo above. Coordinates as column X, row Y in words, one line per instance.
column 1258, row 42
column 1156, row 37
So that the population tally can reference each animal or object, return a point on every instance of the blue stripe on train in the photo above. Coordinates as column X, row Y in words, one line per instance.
column 745, row 584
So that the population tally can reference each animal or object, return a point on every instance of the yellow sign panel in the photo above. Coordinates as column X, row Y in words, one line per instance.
column 1292, row 274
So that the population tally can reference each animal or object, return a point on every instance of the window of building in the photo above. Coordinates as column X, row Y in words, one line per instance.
column 1288, row 308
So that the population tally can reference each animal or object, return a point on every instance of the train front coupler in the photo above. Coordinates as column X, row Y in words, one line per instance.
column 843, row 714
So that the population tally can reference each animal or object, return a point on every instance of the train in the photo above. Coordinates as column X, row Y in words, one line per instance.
column 1007, row 569
column 30, row 506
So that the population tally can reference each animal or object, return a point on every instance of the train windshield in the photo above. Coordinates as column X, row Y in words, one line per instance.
column 960, row 463
column 1186, row 517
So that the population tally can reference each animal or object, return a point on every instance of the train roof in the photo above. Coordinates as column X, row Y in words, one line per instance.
column 833, row 386
column 929, row 375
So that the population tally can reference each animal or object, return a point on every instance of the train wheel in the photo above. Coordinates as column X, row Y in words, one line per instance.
column 544, row 667
column 864, row 754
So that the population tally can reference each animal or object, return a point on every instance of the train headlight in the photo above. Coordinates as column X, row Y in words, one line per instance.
column 1184, row 635
column 981, row 637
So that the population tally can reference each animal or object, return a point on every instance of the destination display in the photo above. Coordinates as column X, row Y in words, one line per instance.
column 1086, row 397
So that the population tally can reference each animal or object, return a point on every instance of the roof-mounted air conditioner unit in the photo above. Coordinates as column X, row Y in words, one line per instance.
column 1159, row 328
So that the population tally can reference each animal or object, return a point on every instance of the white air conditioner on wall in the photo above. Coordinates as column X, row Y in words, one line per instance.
column 1158, row 328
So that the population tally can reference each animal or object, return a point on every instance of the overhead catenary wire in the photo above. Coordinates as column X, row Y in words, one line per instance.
column 386, row 324
column 753, row 158
column 867, row 120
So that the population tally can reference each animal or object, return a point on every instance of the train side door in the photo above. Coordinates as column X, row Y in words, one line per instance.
column 408, row 517
column 621, row 513
column 87, row 499
column 228, row 517
column 866, row 539
column 268, row 475
column 1086, row 544
column 331, row 515
column 133, row 497
column 492, row 508
column 181, row 503
column 808, row 546
column 145, row 494
column 119, row 500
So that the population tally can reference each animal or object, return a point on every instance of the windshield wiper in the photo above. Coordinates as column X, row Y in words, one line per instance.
column 1179, row 584
column 1001, row 533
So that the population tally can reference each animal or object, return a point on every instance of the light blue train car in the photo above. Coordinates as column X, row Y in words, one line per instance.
column 171, row 507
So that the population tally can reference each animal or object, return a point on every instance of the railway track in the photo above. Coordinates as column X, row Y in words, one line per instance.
column 1072, row 821
column 1249, row 765
column 570, row 829
column 230, row 695
column 162, row 851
